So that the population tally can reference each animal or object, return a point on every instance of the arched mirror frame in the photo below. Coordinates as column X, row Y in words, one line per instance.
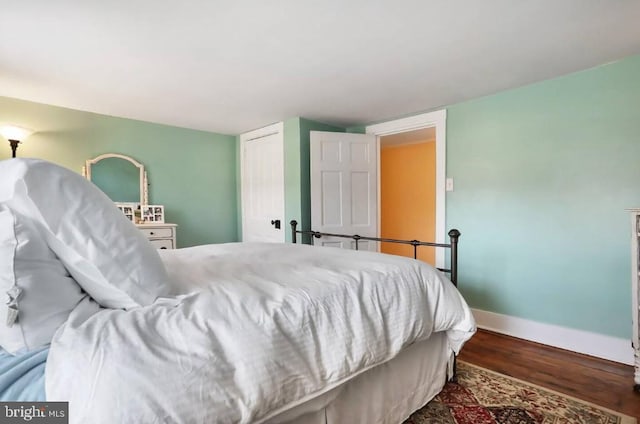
column 144, row 193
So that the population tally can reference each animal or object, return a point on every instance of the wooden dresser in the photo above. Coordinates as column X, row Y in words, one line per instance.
column 161, row 236
column 635, row 290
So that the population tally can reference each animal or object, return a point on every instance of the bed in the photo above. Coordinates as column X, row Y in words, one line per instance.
column 229, row 333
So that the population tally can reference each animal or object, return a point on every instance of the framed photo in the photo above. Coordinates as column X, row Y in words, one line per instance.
column 153, row 213
column 129, row 210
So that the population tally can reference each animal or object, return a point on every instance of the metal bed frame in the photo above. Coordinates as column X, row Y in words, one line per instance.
column 454, row 235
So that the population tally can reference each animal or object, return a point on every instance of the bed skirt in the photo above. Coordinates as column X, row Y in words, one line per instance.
column 388, row 393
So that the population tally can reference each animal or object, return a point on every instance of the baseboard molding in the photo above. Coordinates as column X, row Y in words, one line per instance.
column 592, row 344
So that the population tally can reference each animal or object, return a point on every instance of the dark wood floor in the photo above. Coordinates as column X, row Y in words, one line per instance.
column 605, row 383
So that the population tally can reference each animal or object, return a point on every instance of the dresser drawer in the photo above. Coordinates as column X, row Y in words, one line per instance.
column 157, row 232
column 162, row 243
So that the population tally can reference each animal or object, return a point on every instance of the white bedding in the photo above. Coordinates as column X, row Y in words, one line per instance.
column 254, row 329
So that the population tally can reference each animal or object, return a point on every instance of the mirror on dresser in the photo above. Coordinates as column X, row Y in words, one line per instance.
column 124, row 180
column 120, row 177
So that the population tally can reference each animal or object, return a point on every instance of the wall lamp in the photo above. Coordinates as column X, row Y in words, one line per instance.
column 15, row 135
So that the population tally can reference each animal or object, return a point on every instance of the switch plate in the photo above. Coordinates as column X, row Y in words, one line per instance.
column 449, row 184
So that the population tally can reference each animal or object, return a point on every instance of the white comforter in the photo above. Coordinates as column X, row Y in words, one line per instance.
column 255, row 329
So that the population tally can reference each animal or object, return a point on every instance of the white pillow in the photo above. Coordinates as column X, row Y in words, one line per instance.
column 47, row 293
column 102, row 250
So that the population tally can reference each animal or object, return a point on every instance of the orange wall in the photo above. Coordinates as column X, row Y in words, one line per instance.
column 408, row 197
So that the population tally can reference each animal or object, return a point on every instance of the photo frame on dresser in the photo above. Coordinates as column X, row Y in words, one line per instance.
column 129, row 210
column 153, row 213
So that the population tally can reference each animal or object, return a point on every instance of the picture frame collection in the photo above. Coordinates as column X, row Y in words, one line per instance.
column 148, row 214
column 129, row 210
column 153, row 213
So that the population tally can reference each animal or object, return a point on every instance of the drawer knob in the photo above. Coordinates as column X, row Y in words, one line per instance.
column 163, row 247
column 152, row 233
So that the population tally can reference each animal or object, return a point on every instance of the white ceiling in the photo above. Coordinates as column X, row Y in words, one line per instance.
column 232, row 66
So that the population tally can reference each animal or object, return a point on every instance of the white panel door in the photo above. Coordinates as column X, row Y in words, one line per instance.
column 262, row 162
column 344, row 193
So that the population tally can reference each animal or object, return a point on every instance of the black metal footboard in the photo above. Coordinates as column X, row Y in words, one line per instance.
column 454, row 235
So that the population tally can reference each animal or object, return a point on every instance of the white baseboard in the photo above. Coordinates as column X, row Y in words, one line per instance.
column 593, row 344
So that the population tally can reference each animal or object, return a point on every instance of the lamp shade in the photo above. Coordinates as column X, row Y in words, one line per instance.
column 11, row 132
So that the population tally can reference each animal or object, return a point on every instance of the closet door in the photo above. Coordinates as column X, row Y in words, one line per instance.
column 262, row 185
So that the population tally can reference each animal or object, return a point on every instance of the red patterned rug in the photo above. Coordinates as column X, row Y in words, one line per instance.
column 485, row 397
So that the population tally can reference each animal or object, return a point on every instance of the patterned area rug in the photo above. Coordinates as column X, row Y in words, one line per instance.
column 484, row 397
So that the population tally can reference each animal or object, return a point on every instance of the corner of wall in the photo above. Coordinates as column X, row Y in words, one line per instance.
column 238, row 191
column 292, row 176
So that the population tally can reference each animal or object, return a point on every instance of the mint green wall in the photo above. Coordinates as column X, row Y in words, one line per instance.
column 542, row 177
column 292, row 174
column 360, row 129
column 191, row 172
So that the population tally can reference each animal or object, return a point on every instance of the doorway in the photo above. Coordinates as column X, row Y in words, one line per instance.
column 334, row 181
column 436, row 120
column 408, row 191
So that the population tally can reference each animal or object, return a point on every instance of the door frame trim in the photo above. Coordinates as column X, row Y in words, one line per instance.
column 438, row 120
column 277, row 128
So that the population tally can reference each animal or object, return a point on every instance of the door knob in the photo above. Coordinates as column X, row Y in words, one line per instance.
column 276, row 223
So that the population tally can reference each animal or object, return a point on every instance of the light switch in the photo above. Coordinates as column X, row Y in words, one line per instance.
column 449, row 184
